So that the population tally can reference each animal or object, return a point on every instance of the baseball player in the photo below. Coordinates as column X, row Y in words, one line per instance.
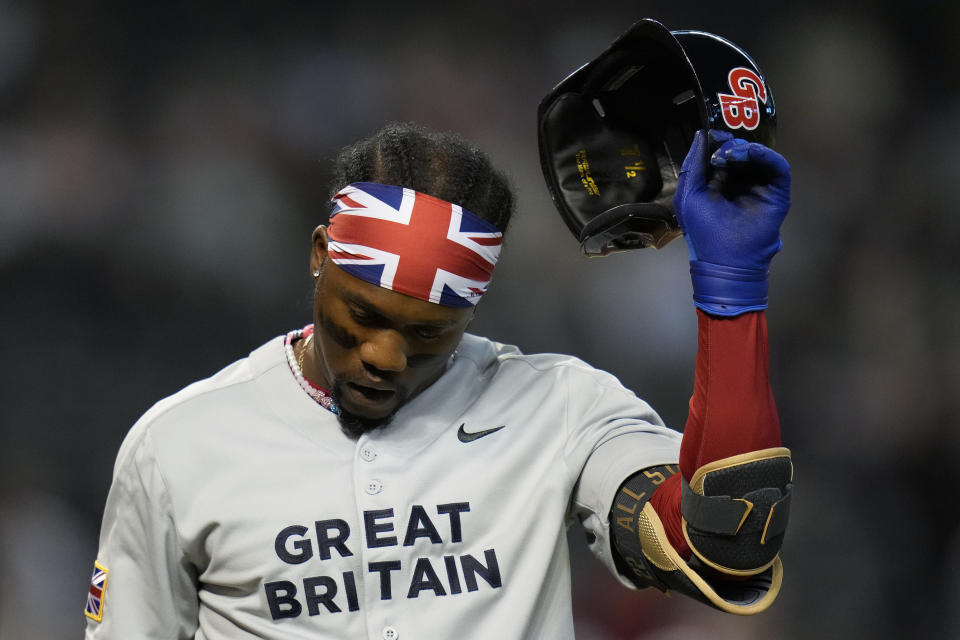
column 381, row 473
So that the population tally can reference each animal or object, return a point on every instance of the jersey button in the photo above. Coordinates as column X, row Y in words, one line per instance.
column 368, row 454
column 373, row 488
column 389, row 633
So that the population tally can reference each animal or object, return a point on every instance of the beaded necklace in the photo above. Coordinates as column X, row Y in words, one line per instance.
column 321, row 396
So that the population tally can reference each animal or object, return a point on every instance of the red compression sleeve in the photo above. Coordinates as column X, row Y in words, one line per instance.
column 732, row 410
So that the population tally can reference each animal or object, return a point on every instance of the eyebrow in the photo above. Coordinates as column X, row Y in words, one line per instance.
column 367, row 306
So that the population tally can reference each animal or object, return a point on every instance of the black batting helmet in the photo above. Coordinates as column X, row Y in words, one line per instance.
column 614, row 133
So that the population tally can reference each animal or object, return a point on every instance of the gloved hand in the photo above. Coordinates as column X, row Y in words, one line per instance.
column 731, row 219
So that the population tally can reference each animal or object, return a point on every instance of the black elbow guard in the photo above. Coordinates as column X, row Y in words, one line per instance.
column 735, row 510
column 734, row 515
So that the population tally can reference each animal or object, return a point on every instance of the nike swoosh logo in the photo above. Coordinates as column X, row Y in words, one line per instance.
column 464, row 436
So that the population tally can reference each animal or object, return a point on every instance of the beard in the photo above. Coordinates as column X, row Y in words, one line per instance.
column 354, row 425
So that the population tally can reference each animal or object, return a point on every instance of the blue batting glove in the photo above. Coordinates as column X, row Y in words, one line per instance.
column 731, row 219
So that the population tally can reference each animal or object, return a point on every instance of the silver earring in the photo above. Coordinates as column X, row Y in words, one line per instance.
column 316, row 274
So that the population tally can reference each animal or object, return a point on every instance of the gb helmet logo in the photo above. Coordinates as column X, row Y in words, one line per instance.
column 741, row 109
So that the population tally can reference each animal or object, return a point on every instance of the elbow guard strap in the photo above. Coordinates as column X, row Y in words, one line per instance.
column 735, row 510
column 645, row 556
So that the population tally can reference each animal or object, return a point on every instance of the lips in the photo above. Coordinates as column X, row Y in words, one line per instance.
column 367, row 395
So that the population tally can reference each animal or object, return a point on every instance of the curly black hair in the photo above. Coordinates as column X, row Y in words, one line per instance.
column 440, row 164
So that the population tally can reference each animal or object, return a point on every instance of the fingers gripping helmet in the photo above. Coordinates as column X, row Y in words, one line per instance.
column 614, row 133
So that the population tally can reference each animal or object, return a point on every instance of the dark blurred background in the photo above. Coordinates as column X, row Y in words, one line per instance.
column 163, row 165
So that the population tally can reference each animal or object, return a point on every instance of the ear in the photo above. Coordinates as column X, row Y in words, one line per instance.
column 318, row 255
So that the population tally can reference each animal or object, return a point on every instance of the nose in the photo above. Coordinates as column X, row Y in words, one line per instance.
column 384, row 351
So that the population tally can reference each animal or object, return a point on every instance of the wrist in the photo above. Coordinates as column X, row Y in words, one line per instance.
column 728, row 291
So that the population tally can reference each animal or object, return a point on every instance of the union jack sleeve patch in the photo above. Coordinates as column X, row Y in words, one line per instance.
column 98, row 588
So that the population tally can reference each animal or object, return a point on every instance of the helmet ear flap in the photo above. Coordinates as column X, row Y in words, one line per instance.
column 613, row 134
column 629, row 226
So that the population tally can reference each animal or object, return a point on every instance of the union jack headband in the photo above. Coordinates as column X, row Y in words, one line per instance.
column 412, row 243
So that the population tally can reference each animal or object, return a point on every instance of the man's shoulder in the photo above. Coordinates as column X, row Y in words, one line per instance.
column 489, row 354
column 224, row 383
column 206, row 398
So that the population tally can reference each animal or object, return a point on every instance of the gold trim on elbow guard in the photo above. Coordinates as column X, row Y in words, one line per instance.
column 742, row 597
column 735, row 511
column 644, row 555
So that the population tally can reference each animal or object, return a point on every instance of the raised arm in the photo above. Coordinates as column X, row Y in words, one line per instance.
column 714, row 530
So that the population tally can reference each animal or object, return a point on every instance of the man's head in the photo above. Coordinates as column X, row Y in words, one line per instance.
column 376, row 348
column 440, row 164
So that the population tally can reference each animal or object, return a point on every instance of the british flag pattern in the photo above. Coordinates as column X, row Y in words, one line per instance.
column 98, row 585
column 412, row 243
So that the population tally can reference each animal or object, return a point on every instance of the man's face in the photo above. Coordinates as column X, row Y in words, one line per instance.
column 375, row 348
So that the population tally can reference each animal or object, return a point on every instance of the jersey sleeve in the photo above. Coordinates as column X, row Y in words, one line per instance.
column 148, row 588
column 612, row 434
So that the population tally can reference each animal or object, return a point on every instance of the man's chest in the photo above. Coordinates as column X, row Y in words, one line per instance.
column 319, row 536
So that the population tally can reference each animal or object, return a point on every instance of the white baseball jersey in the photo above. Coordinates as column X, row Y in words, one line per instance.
column 239, row 509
